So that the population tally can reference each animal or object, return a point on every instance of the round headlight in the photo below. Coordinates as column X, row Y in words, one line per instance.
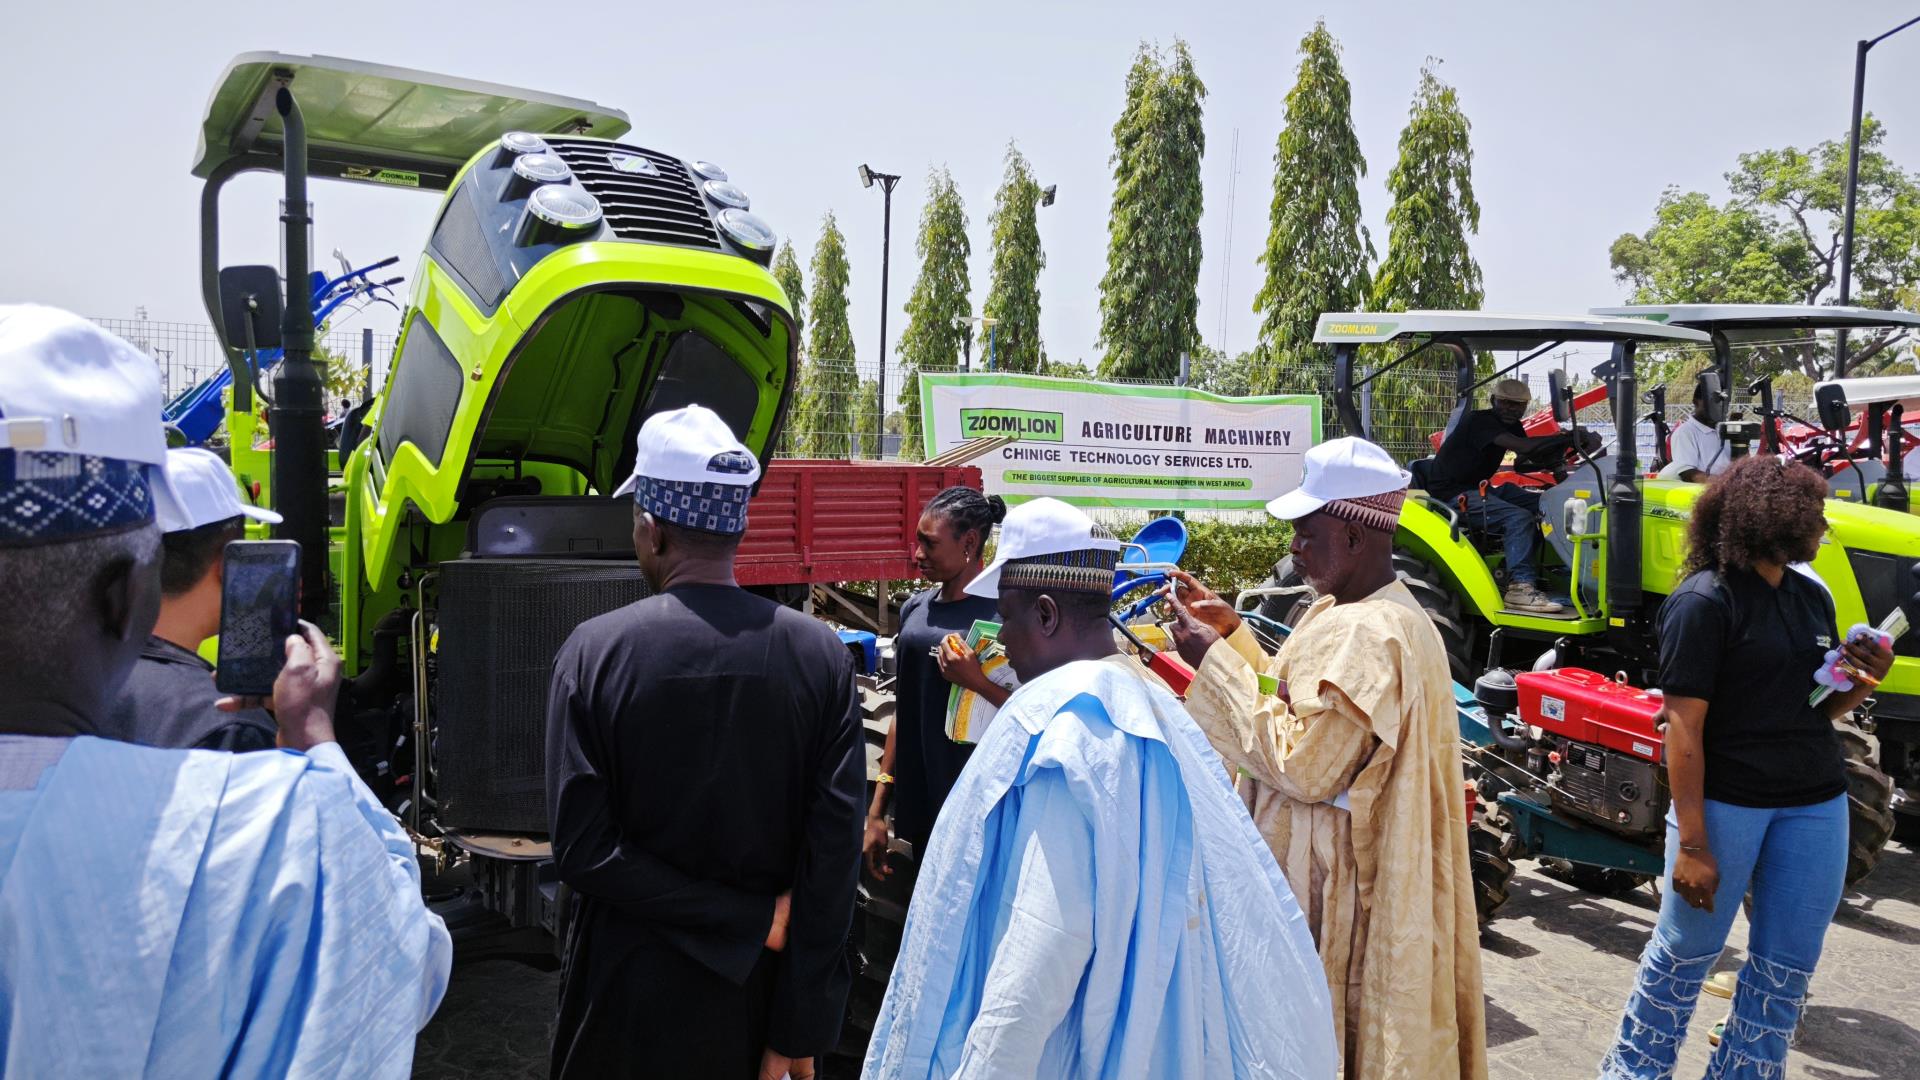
column 709, row 170
column 726, row 194
column 541, row 168
column 567, row 207
column 631, row 163
column 747, row 229
column 523, row 142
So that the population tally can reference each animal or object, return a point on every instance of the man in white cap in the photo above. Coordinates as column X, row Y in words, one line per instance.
column 169, row 912
column 169, row 699
column 1470, row 456
column 1094, row 900
column 1351, row 770
column 705, row 788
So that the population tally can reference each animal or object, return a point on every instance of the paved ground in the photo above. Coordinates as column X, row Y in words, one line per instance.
column 1558, row 966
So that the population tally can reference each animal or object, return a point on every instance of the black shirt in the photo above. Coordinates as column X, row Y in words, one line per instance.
column 1751, row 650
column 704, row 754
column 1469, row 455
column 925, row 761
column 168, row 701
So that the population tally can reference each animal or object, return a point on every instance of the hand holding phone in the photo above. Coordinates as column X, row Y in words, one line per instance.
column 259, row 595
column 304, row 692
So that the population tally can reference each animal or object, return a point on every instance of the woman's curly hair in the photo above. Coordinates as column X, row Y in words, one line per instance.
column 1764, row 508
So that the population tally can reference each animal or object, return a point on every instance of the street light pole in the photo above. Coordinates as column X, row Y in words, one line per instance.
column 1853, row 181
column 887, row 181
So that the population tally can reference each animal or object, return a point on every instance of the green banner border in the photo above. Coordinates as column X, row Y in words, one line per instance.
column 930, row 437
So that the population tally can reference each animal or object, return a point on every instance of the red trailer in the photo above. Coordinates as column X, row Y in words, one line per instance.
column 818, row 522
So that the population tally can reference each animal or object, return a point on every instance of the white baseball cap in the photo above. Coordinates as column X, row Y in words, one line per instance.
column 1347, row 468
column 1040, row 527
column 80, row 425
column 203, row 491
column 690, row 446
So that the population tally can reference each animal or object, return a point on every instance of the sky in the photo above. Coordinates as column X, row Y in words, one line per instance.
column 1581, row 115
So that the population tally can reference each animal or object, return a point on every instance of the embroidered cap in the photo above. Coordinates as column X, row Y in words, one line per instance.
column 204, row 491
column 1046, row 544
column 82, row 450
column 691, row 471
column 1351, row 479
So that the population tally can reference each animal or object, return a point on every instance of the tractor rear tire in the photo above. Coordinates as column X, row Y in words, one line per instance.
column 1491, row 849
column 1423, row 581
column 1869, row 805
column 1599, row 880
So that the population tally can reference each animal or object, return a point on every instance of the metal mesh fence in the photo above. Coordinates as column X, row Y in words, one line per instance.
column 189, row 353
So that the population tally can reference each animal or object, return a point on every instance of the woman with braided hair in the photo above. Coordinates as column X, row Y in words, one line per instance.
column 1759, row 788
column 920, row 763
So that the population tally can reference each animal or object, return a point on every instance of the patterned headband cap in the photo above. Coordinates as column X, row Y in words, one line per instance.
column 1380, row 512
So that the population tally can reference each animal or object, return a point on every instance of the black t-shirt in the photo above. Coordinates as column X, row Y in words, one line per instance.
column 1470, row 455
column 925, row 761
column 1751, row 650
column 168, row 701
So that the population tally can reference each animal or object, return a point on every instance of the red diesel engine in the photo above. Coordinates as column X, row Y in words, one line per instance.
column 1600, row 745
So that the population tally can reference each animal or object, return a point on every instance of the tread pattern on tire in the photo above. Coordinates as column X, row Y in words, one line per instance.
column 1869, row 804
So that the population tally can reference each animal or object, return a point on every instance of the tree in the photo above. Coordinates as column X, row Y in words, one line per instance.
column 826, row 411
column 1150, row 298
column 1013, row 297
column 1777, row 240
column 1429, row 263
column 1317, row 248
column 1228, row 376
column 786, row 271
column 937, row 310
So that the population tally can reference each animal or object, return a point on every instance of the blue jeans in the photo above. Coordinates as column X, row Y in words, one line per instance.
column 1509, row 510
column 1794, row 860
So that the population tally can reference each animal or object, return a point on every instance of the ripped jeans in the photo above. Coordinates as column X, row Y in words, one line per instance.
column 1794, row 861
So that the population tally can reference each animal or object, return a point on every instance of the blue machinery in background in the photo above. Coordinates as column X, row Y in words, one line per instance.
column 199, row 411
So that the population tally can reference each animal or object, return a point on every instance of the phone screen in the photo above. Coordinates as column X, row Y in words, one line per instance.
column 259, row 595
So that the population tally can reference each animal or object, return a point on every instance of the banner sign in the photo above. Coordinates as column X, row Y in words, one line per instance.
column 1110, row 445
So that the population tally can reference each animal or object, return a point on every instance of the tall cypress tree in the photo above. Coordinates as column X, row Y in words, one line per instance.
column 1317, row 248
column 826, row 413
column 1013, row 298
column 937, row 310
column 1150, row 296
column 1428, row 263
column 786, row 271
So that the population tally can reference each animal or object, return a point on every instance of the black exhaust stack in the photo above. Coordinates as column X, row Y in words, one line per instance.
column 299, row 389
column 1624, row 506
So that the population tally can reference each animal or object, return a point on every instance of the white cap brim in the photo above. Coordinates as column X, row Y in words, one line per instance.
column 1295, row 505
column 260, row 513
column 627, row 488
column 988, row 583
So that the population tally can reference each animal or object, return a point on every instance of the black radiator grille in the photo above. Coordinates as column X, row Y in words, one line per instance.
column 1885, row 580
column 501, row 622
column 662, row 207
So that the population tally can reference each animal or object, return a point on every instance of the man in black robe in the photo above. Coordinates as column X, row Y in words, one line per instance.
column 704, row 758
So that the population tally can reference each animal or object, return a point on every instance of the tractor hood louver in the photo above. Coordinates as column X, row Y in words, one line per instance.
column 659, row 205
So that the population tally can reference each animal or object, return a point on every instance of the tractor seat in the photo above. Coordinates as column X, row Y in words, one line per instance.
column 1421, row 469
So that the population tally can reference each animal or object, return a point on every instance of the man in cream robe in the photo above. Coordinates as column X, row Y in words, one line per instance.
column 1351, row 771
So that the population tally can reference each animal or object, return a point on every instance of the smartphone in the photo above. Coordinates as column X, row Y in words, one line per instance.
column 259, row 608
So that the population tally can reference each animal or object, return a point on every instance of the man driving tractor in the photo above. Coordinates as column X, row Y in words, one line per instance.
column 1469, row 457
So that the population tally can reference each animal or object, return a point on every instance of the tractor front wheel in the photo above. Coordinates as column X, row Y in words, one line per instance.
column 1869, row 804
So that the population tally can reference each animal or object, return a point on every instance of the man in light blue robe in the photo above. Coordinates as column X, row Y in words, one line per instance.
column 169, row 913
column 1094, row 901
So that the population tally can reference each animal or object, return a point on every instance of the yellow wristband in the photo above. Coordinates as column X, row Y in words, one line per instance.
column 884, row 778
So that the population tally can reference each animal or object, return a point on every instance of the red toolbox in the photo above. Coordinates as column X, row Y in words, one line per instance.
column 1588, row 707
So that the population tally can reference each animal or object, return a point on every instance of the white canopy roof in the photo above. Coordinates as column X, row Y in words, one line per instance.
column 1762, row 316
column 1488, row 330
column 1904, row 389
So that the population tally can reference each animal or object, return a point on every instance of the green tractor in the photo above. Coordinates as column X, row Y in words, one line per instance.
column 572, row 286
column 1862, row 460
column 1560, row 743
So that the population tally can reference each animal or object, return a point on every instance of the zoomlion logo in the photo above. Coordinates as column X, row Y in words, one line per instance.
column 1358, row 329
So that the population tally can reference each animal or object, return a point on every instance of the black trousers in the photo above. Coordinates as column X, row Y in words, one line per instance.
column 632, row 1005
